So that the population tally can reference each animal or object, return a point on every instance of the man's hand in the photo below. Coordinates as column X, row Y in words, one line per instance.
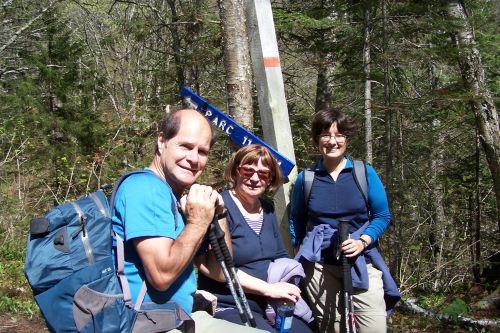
column 199, row 205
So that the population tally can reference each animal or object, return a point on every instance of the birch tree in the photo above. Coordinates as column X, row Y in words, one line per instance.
column 481, row 101
column 237, row 62
column 368, row 87
column 394, row 245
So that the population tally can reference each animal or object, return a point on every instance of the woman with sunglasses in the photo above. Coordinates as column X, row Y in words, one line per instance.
column 334, row 196
column 255, row 239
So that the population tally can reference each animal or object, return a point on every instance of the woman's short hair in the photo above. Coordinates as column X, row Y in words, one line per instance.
column 248, row 155
column 323, row 120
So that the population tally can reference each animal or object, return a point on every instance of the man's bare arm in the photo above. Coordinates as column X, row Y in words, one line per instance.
column 164, row 259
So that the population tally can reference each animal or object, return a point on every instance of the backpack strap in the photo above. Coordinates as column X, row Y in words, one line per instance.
column 104, row 211
column 120, row 269
column 120, row 272
column 361, row 178
column 84, row 235
column 308, row 181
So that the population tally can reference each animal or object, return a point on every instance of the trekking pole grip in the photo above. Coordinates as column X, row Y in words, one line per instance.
column 214, row 242
column 222, row 243
column 343, row 230
column 346, row 265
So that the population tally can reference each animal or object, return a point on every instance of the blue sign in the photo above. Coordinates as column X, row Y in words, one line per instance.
column 237, row 133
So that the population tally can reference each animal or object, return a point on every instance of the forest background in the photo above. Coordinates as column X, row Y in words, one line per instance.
column 83, row 85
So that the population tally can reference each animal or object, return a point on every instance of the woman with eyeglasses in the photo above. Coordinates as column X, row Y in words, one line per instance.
column 255, row 239
column 334, row 195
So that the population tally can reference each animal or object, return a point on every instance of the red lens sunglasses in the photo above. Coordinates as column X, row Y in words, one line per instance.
column 247, row 172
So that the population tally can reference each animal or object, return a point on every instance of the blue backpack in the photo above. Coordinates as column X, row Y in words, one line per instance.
column 70, row 267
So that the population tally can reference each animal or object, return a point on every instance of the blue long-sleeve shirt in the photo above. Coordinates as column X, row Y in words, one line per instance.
column 333, row 200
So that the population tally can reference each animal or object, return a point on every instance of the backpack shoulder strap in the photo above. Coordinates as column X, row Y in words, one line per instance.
column 361, row 178
column 308, row 181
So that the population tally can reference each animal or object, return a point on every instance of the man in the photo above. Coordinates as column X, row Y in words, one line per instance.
column 161, row 243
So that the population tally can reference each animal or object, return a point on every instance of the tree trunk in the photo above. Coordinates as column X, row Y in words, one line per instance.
column 482, row 102
column 368, row 89
column 326, row 61
column 323, row 93
column 438, row 220
column 237, row 62
column 476, row 248
column 394, row 247
column 411, row 304
column 438, row 223
column 176, row 44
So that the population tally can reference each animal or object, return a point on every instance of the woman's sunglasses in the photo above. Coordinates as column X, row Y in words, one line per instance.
column 247, row 172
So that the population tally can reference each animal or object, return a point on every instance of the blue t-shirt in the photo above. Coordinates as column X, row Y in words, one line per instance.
column 145, row 206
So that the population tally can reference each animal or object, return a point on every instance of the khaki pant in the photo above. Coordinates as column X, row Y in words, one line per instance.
column 205, row 323
column 323, row 285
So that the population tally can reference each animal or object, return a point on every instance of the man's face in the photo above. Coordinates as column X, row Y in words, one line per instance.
column 184, row 156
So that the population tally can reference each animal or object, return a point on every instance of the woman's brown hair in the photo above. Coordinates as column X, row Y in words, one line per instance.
column 324, row 119
column 248, row 155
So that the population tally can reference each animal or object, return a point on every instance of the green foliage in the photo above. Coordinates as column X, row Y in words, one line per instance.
column 432, row 300
column 15, row 294
column 300, row 23
column 489, row 44
column 17, row 305
column 456, row 308
column 444, row 304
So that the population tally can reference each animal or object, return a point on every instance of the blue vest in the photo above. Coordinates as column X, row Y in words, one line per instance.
column 333, row 200
column 252, row 253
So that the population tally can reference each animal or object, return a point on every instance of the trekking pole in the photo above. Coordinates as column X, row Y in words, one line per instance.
column 222, row 255
column 348, row 323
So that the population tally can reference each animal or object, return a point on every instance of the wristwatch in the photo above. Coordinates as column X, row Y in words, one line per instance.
column 365, row 243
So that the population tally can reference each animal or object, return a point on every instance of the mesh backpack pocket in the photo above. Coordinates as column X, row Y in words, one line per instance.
column 98, row 308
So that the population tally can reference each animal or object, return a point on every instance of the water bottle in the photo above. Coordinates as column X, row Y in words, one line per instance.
column 284, row 316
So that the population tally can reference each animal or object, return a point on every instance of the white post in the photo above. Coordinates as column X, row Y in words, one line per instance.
column 271, row 96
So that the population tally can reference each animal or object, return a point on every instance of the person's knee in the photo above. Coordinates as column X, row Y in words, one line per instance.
column 206, row 323
column 371, row 323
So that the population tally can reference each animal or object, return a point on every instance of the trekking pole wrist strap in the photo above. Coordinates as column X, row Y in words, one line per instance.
column 222, row 215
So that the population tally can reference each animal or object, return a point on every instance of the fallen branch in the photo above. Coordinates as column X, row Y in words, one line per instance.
column 411, row 304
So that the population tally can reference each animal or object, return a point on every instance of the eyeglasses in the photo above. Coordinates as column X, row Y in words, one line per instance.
column 248, row 172
column 326, row 137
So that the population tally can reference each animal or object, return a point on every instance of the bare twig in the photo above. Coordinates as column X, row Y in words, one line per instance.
column 27, row 25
